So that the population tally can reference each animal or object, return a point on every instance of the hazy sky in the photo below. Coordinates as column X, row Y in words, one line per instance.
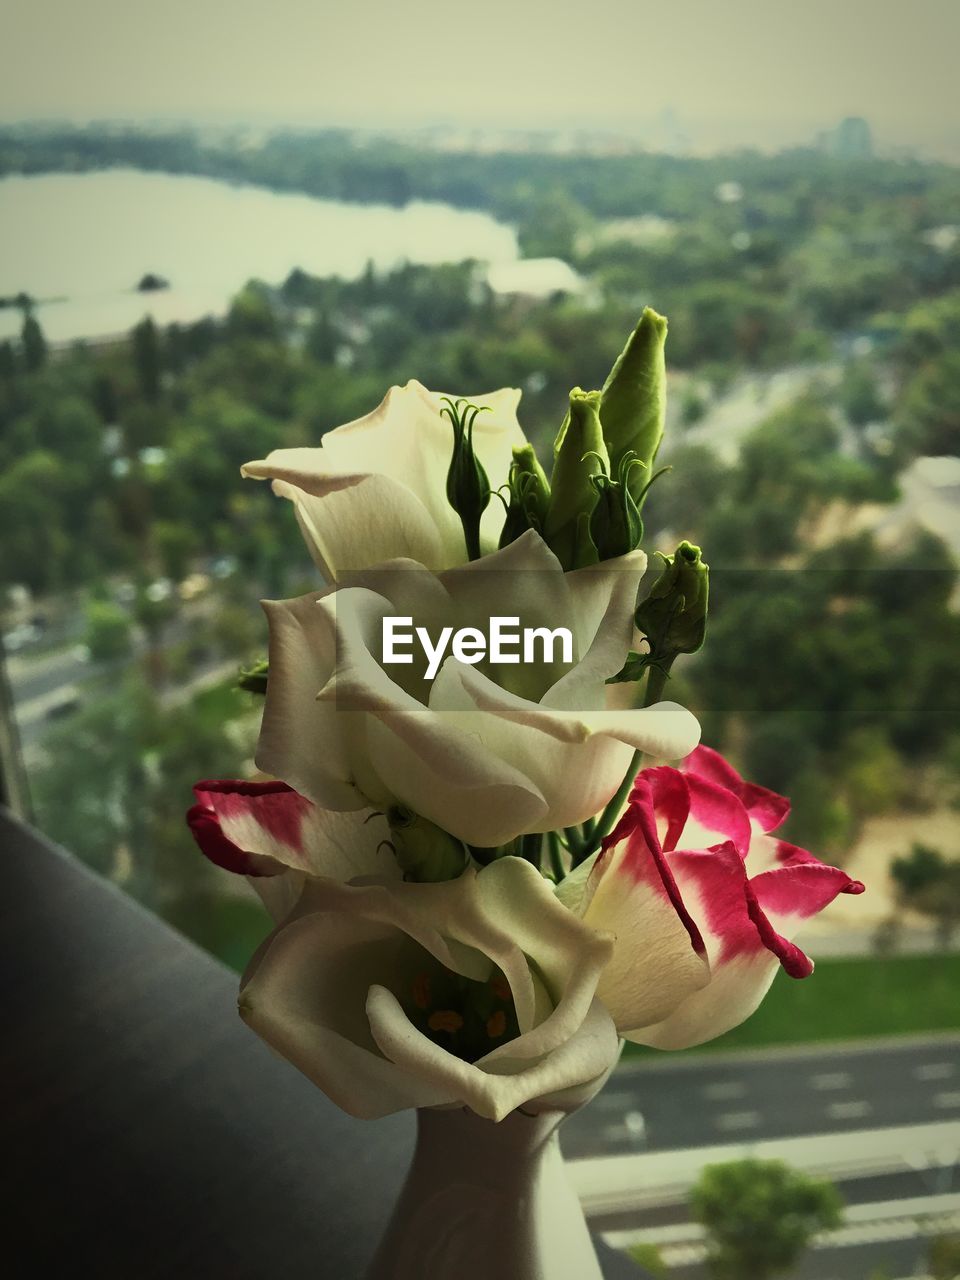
column 760, row 68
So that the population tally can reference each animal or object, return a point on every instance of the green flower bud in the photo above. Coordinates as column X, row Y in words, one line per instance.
column 673, row 616
column 579, row 454
column 529, row 495
column 615, row 524
column 468, row 489
column 634, row 399
column 424, row 851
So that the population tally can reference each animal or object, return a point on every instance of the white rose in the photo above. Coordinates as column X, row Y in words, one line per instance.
column 487, row 752
column 477, row 992
column 376, row 488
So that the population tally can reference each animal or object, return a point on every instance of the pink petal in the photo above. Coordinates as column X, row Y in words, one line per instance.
column 765, row 807
column 742, row 946
column 642, row 857
column 242, row 826
column 263, row 828
column 714, row 883
column 695, row 813
column 659, row 956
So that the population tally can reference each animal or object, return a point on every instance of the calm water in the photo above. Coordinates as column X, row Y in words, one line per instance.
column 81, row 242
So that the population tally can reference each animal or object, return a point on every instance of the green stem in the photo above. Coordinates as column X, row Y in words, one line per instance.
column 556, row 861
column 530, row 848
column 471, row 536
column 574, row 840
column 656, row 681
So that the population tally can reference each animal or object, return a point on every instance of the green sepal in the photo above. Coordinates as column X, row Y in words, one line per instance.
column 254, row 679
column 529, row 495
column 616, row 527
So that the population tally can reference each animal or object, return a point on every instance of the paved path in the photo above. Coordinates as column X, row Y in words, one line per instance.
column 695, row 1100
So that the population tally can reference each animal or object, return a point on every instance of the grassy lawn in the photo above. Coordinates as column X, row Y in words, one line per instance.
column 843, row 1000
column 231, row 928
column 850, row 999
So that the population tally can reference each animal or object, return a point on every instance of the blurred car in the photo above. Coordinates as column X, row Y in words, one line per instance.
column 70, row 700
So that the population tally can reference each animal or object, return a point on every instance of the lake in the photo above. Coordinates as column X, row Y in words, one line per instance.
column 80, row 243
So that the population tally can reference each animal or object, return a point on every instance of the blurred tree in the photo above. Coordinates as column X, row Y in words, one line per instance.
column 760, row 1216
column 918, row 870
column 109, row 631
column 147, row 358
column 322, row 338
column 34, row 343
column 860, row 394
column 551, row 224
column 943, row 1257
column 105, row 399
column 927, row 882
column 252, row 314
column 650, row 1258
column 929, row 408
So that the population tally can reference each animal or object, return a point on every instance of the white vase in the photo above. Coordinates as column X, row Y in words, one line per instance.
column 486, row 1201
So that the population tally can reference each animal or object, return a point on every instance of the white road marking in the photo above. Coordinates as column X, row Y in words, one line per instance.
column 724, row 1091
column 935, row 1071
column 680, row 1243
column 848, row 1110
column 635, row 1124
column 831, row 1080
column 949, row 1099
column 730, row 1120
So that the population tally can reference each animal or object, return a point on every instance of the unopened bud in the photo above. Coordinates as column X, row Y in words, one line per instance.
column 615, row 524
column 424, row 851
column 579, row 454
column 634, row 400
column 468, row 489
column 529, row 495
column 673, row 617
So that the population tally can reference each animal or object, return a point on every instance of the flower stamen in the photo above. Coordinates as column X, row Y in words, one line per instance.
column 445, row 1020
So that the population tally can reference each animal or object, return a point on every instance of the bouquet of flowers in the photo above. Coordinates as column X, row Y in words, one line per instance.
column 483, row 870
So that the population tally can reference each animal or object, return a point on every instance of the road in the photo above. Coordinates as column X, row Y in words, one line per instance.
column 877, row 1235
column 750, row 400
column 882, row 1119
column 695, row 1100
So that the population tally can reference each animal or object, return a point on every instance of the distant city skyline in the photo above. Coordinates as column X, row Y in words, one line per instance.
column 692, row 75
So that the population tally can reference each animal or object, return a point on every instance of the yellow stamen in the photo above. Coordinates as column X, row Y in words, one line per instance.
column 445, row 1020
column 496, row 1024
column 421, row 991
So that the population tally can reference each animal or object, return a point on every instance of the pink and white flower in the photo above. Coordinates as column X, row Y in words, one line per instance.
column 479, row 991
column 669, row 936
column 693, row 870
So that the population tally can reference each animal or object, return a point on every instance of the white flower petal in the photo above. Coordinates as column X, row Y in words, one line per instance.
column 393, row 523
column 579, row 1060
column 658, row 958
column 314, row 746
column 304, row 995
column 405, row 446
column 604, row 598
